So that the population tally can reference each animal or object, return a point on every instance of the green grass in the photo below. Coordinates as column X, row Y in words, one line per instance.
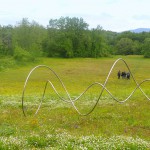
column 57, row 125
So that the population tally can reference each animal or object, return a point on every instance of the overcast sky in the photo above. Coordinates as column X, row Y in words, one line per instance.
column 114, row 15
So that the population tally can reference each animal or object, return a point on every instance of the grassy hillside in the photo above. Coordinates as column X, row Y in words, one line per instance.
column 110, row 126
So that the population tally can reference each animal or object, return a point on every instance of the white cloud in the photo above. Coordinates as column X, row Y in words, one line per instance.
column 115, row 15
column 142, row 17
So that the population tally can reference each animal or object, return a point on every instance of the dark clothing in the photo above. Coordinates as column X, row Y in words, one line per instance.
column 119, row 74
column 128, row 75
column 123, row 74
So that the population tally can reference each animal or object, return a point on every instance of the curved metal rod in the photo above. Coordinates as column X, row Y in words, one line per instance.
column 25, row 84
column 73, row 100
column 96, row 83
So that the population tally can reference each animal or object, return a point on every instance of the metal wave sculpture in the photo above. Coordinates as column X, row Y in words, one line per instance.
column 70, row 100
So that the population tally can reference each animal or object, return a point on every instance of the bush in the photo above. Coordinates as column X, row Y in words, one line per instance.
column 22, row 55
column 6, row 62
column 146, row 48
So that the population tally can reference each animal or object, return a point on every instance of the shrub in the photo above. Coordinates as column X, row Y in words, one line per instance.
column 21, row 54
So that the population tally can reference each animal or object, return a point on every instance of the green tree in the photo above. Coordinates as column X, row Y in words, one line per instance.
column 6, row 45
column 146, row 48
column 124, row 46
column 29, row 36
column 99, row 47
column 137, row 48
column 65, row 37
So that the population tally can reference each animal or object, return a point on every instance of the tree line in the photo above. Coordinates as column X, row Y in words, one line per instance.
column 68, row 37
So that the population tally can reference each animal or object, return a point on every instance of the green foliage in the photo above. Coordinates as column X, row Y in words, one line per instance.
column 66, row 47
column 125, row 46
column 65, row 37
column 6, row 62
column 146, row 48
column 69, row 37
column 6, row 37
column 29, row 37
column 22, row 55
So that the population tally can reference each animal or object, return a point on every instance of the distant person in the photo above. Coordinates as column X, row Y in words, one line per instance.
column 123, row 74
column 119, row 74
column 128, row 75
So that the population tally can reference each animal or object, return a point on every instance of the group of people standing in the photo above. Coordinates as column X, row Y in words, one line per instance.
column 125, row 75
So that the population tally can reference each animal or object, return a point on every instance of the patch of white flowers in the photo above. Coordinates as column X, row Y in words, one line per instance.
column 67, row 141
column 12, row 143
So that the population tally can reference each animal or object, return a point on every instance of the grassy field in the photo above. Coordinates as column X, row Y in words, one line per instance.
column 57, row 125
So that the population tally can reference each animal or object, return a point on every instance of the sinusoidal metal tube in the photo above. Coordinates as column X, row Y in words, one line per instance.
column 70, row 100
